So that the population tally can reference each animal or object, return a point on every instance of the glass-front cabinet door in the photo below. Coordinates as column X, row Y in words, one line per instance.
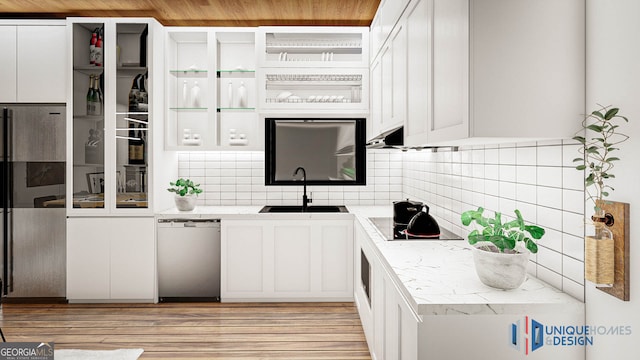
column 111, row 115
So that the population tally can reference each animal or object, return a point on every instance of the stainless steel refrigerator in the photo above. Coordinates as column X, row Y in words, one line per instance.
column 33, row 192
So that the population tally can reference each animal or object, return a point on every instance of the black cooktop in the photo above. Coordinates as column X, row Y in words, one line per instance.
column 391, row 231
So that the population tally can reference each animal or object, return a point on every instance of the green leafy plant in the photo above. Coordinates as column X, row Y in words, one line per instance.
column 503, row 236
column 184, row 187
column 597, row 150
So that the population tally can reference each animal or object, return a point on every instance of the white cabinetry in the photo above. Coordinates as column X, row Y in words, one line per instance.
column 389, row 323
column 33, row 62
column 389, row 83
column 303, row 69
column 418, row 24
column 479, row 73
column 301, row 260
column 110, row 259
column 388, row 13
column 211, row 89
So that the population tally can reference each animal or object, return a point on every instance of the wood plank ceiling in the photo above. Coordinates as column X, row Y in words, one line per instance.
column 204, row 12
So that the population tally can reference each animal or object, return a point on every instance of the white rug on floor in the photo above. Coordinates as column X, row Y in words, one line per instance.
column 120, row 354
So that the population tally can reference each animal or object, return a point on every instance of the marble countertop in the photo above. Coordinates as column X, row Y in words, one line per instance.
column 436, row 277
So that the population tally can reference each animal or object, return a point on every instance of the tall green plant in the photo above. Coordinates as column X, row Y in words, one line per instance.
column 598, row 144
column 503, row 236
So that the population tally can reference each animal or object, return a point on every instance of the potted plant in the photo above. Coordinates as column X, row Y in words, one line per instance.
column 501, row 250
column 601, row 136
column 186, row 193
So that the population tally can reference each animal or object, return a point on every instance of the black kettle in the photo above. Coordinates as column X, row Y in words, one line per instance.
column 404, row 210
column 423, row 225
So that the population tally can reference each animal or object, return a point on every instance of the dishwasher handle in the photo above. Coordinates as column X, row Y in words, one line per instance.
column 188, row 222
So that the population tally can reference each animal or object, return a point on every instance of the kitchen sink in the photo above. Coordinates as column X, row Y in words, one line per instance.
column 298, row 208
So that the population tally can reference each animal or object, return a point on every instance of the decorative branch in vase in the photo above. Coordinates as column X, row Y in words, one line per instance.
column 600, row 140
column 597, row 151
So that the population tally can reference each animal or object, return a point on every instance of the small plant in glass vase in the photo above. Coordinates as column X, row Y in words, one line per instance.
column 599, row 146
column 186, row 193
column 501, row 250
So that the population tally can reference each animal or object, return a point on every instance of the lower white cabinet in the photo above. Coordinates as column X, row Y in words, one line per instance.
column 389, row 323
column 110, row 259
column 301, row 260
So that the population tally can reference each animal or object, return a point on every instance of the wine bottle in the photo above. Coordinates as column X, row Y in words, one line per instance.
column 99, row 50
column 92, row 47
column 143, row 97
column 136, row 147
column 90, row 104
column 97, row 97
column 133, row 94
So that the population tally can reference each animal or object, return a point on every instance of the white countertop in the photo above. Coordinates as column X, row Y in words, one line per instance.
column 439, row 277
column 436, row 276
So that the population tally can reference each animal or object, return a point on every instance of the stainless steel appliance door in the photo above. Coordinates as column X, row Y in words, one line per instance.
column 38, row 253
column 38, row 133
column 34, row 226
column 188, row 259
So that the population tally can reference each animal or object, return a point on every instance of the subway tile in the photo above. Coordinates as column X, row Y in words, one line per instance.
column 549, row 176
column 491, row 187
column 243, row 187
column 573, row 246
column 526, row 156
column 550, row 277
column 549, row 197
column 196, row 172
column 492, row 203
column 569, row 153
column 526, row 193
column 573, row 200
column 552, row 239
column 550, row 259
column 549, row 155
column 507, row 206
column 573, row 288
column 507, row 173
column 573, row 224
column 477, row 156
column 529, row 211
column 573, row 269
column 492, row 172
column 526, row 174
column 507, row 156
column 492, row 156
column 572, row 179
column 549, row 218
column 508, row 190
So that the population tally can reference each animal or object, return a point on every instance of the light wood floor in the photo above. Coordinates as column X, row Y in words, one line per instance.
column 196, row 330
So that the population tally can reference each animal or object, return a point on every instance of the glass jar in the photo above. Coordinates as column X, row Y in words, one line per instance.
column 599, row 252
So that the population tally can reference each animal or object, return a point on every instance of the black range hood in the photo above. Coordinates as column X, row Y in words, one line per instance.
column 391, row 139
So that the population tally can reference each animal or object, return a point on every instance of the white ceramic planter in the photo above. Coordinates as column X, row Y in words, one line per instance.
column 186, row 203
column 499, row 270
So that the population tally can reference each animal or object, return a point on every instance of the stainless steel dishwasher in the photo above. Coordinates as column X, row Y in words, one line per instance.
column 188, row 260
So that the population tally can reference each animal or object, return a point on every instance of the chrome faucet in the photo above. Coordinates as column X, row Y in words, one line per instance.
column 305, row 199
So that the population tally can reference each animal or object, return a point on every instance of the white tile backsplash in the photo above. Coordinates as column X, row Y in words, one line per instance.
column 539, row 179
column 237, row 178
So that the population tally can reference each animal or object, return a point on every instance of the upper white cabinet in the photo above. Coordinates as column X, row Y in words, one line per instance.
column 33, row 62
column 112, row 112
column 481, row 72
column 211, row 89
column 388, row 13
column 304, row 69
column 418, row 25
column 389, row 84
column 314, row 47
